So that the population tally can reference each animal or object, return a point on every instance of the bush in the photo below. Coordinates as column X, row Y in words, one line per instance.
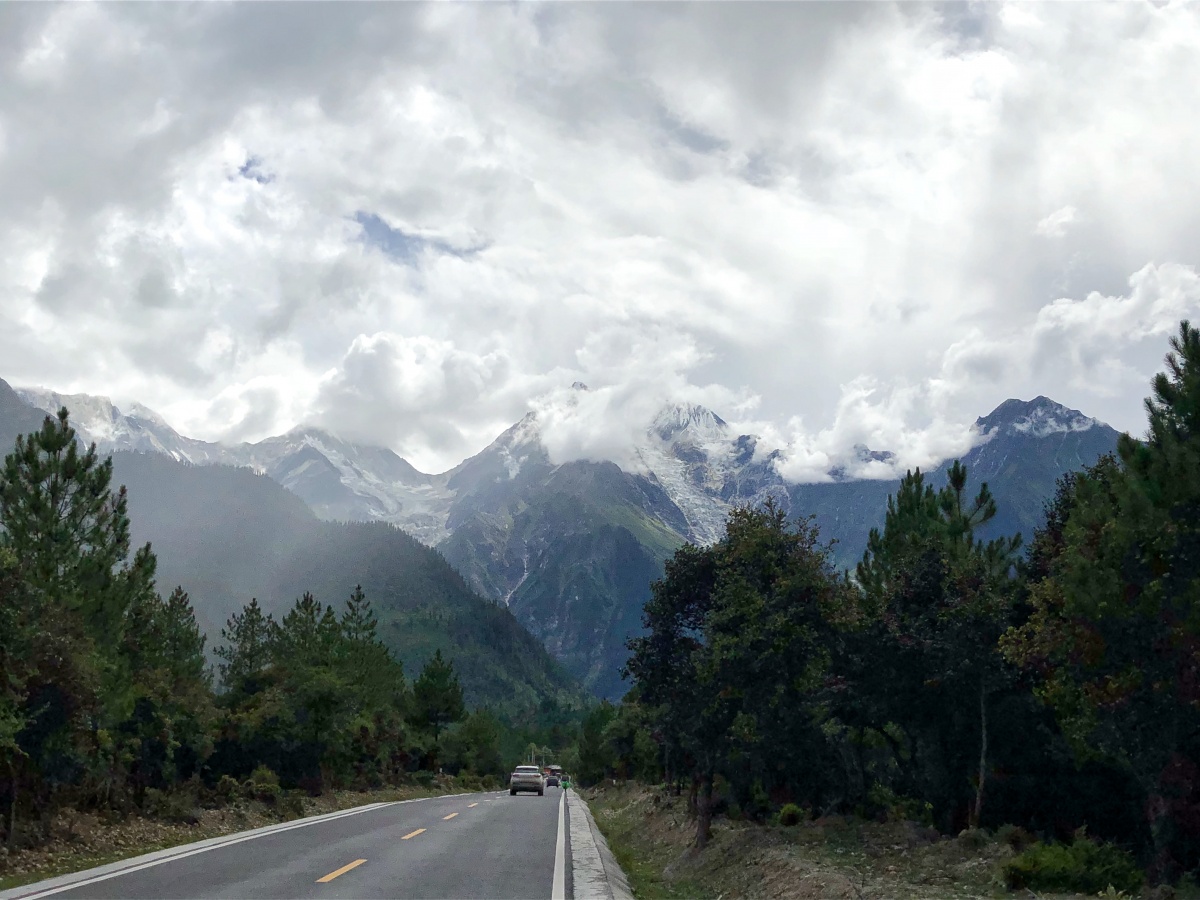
column 170, row 806
column 898, row 808
column 1015, row 836
column 973, row 838
column 791, row 814
column 291, row 806
column 227, row 788
column 264, row 776
column 1083, row 866
column 468, row 781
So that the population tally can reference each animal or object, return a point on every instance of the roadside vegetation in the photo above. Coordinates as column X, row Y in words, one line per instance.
column 829, row 858
column 111, row 713
column 1039, row 701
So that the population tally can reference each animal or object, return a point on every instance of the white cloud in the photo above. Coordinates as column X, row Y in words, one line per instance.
column 830, row 220
column 1057, row 223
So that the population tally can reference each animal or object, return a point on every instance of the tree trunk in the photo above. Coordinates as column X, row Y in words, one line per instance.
column 11, row 824
column 977, row 812
column 704, row 818
column 1162, row 868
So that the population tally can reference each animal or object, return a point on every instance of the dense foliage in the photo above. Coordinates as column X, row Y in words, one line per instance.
column 107, row 699
column 950, row 679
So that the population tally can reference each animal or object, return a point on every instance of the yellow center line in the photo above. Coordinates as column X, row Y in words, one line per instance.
column 451, row 816
column 472, row 805
column 342, row 871
column 413, row 834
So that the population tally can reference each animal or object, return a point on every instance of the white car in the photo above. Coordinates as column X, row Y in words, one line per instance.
column 526, row 778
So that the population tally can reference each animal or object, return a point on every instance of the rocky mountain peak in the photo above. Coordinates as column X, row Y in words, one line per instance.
column 689, row 423
column 1038, row 417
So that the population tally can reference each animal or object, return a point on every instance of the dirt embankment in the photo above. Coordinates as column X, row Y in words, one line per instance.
column 651, row 834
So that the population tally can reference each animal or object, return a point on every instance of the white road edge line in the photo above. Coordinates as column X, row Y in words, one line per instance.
column 559, row 889
column 316, row 820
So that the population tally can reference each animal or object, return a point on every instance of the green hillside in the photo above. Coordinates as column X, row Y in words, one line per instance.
column 227, row 535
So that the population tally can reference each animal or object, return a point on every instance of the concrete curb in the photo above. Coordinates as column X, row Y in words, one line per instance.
column 595, row 873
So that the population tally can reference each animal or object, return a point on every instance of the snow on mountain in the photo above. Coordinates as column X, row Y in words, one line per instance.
column 99, row 420
column 1039, row 417
column 689, row 423
column 339, row 480
column 352, row 482
column 688, row 450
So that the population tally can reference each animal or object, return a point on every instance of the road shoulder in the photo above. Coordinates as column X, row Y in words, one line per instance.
column 595, row 873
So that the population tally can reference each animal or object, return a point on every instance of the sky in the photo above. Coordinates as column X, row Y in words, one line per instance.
column 834, row 224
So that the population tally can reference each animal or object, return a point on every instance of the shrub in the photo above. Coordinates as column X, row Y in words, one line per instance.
column 898, row 808
column 291, row 806
column 468, row 781
column 170, row 806
column 1083, row 866
column 1015, row 836
column 227, row 788
column 973, row 838
column 791, row 814
column 264, row 776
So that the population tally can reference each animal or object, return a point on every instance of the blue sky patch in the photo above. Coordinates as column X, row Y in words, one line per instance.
column 253, row 170
column 400, row 245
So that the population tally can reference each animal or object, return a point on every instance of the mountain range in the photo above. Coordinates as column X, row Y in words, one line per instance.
column 570, row 549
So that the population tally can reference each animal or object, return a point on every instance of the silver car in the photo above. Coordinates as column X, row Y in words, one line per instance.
column 526, row 778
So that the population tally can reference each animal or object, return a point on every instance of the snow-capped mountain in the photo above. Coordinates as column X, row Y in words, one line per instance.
column 1039, row 417
column 99, row 420
column 571, row 548
column 351, row 482
column 339, row 480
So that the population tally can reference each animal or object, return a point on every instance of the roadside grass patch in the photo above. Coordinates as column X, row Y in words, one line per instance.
column 829, row 858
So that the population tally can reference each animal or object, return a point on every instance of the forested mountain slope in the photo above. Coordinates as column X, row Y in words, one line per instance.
column 227, row 534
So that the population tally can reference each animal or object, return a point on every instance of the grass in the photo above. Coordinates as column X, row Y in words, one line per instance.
column 651, row 834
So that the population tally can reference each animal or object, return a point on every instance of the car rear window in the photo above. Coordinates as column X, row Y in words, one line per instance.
column 528, row 770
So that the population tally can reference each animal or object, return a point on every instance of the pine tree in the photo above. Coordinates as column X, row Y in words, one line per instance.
column 246, row 650
column 937, row 600
column 69, row 531
column 359, row 622
column 437, row 696
column 1115, row 628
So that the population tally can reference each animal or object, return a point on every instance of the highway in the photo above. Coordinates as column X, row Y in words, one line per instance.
column 468, row 846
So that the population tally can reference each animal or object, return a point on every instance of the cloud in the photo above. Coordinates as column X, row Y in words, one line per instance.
column 1057, row 223
column 843, row 223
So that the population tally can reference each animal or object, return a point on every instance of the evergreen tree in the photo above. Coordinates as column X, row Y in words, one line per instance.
column 437, row 696
column 936, row 600
column 1115, row 628
column 246, row 650
column 68, row 533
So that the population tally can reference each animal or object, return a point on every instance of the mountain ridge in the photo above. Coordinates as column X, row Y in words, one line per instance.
column 571, row 548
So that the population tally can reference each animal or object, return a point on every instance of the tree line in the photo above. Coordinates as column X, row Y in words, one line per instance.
column 108, row 699
column 966, row 682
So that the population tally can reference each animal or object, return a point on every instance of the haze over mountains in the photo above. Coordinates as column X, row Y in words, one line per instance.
column 571, row 548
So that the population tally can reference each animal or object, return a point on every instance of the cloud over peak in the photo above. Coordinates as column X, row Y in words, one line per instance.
column 834, row 224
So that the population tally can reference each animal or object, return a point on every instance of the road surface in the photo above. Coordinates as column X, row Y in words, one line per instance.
column 472, row 845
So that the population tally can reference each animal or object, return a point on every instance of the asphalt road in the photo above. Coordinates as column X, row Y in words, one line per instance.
column 473, row 845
